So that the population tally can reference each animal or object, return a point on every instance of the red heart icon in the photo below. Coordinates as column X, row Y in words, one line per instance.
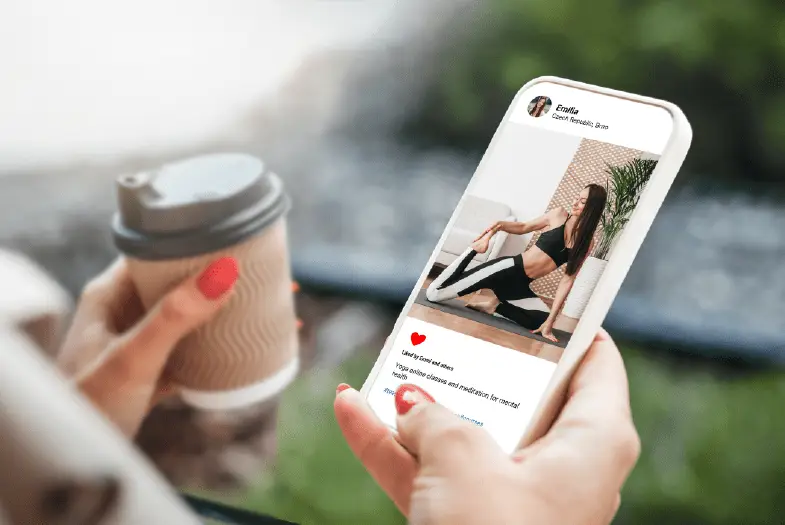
column 417, row 338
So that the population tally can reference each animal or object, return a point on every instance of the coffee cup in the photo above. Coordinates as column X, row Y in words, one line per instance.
column 172, row 222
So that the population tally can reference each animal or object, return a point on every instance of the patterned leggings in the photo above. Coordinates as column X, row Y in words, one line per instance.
column 505, row 276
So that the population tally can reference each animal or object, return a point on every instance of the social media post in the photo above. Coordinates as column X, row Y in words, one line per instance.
column 513, row 275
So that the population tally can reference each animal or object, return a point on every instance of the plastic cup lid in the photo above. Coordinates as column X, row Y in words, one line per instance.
column 196, row 205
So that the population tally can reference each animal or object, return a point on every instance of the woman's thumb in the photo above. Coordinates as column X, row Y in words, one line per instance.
column 432, row 433
column 179, row 312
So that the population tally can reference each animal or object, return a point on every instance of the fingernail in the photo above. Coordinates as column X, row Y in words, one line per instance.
column 295, row 286
column 602, row 335
column 409, row 395
column 341, row 388
column 218, row 278
column 299, row 323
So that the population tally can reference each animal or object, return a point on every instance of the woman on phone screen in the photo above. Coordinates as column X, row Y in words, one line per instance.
column 537, row 106
column 566, row 239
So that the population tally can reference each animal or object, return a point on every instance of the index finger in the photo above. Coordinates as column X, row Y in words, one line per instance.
column 596, row 420
column 114, row 276
column 600, row 383
column 105, row 293
column 372, row 442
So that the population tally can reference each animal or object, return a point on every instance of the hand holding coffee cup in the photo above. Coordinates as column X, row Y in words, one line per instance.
column 171, row 224
column 115, row 352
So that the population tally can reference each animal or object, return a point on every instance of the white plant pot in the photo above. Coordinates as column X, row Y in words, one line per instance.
column 584, row 285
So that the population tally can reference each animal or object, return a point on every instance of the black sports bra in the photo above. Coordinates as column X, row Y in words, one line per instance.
column 552, row 243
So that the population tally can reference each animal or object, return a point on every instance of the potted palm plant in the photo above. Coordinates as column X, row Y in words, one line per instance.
column 624, row 185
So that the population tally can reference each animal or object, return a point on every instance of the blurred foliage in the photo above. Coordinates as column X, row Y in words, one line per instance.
column 624, row 186
column 722, row 62
column 712, row 445
column 708, row 456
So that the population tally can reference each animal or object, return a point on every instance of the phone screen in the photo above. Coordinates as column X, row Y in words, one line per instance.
column 511, row 277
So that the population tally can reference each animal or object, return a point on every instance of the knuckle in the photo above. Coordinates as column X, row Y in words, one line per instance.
column 369, row 452
column 172, row 311
column 454, row 434
column 92, row 289
column 628, row 443
column 118, row 368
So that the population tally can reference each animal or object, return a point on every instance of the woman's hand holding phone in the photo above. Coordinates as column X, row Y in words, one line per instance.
column 441, row 469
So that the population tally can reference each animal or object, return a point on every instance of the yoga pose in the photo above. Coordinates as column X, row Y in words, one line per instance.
column 567, row 238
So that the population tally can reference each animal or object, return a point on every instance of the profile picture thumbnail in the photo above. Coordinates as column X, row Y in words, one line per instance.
column 539, row 106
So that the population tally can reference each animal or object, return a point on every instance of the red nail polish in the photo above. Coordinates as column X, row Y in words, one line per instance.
column 295, row 286
column 218, row 278
column 341, row 388
column 299, row 323
column 409, row 395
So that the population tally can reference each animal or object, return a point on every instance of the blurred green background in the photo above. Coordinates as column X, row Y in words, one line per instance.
column 721, row 62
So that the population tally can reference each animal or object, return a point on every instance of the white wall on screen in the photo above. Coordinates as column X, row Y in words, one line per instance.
column 524, row 183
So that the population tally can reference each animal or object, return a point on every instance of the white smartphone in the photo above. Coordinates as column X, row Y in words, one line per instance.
column 533, row 256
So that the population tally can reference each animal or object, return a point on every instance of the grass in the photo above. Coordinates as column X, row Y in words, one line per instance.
column 713, row 451
column 713, row 446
